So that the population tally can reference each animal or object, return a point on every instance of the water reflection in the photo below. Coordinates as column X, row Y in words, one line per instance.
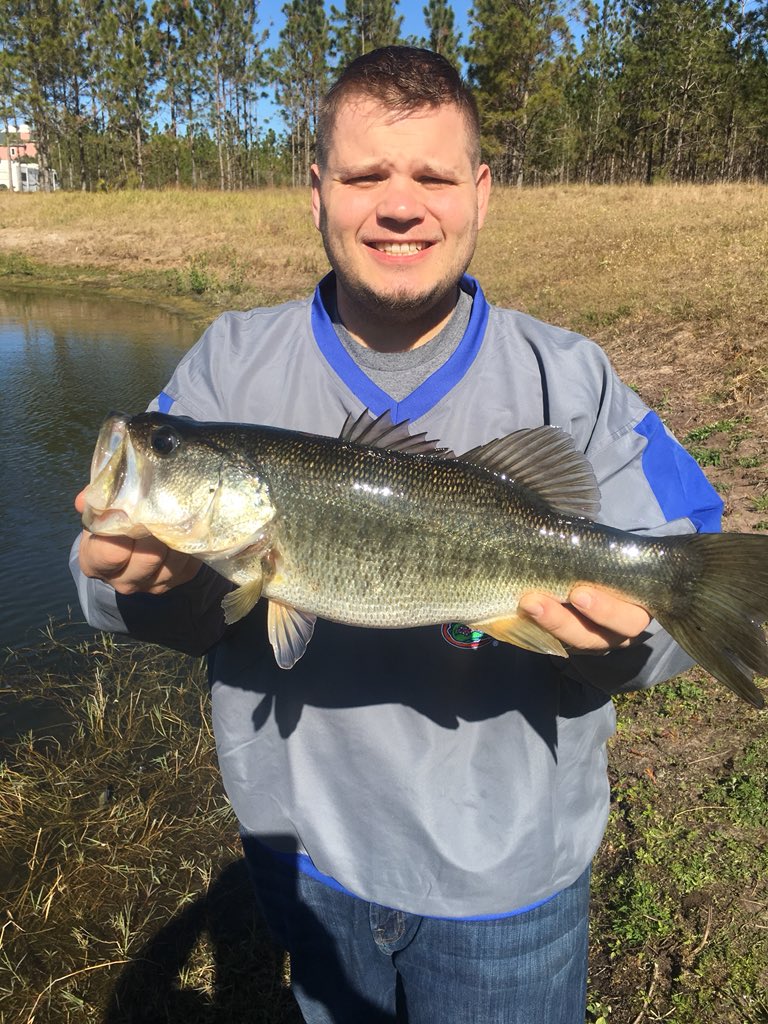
column 64, row 363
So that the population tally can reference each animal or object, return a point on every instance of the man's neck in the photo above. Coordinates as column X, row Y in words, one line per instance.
column 395, row 334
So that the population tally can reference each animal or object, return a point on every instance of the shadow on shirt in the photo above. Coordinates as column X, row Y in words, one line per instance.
column 238, row 977
column 347, row 667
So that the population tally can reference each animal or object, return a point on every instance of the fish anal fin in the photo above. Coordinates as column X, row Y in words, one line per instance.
column 240, row 601
column 546, row 461
column 522, row 632
column 289, row 631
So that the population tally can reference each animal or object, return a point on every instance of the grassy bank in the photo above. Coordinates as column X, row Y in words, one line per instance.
column 588, row 257
column 125, row 899
column 123, row 896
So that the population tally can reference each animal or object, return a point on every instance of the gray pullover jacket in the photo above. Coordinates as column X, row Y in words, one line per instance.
column 417, row 768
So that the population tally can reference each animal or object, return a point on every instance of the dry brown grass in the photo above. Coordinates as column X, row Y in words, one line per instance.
column 582, row 256
column 265, row 240
column 123, row 895
column 671, row 280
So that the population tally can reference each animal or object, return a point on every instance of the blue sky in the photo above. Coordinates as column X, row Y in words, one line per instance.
column 413, row 24
column 413, row 18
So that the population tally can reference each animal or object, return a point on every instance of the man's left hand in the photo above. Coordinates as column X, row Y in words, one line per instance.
column 592, row 622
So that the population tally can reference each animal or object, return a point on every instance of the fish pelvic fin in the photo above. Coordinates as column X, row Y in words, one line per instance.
column 240, row 601
column 722, row 628
column 546, row 461
column 289, row 631
column 523, row 632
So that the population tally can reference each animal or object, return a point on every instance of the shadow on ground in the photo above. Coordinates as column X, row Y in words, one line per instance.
column 241, row 969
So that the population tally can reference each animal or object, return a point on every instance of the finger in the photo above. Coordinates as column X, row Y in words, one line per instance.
column 146, row 567
column 614, row 613
column 126, row 563
column 154, row 568
column 177, row 568
column 104, row 557
column 571, row 628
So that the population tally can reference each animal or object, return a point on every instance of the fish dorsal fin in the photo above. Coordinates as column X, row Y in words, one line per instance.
column 546, row 461
column 381, row 432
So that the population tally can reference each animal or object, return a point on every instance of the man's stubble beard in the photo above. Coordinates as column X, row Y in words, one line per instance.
column 396, row 307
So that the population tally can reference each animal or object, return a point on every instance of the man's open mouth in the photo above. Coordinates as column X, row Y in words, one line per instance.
column 400, row 248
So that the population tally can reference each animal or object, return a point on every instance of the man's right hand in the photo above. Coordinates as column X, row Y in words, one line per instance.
column 134, row 566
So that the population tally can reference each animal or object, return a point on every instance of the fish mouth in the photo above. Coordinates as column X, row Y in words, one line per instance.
column 112, row 522
column 115, row 487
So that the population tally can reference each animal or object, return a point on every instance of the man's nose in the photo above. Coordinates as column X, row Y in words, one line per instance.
column 401, row 202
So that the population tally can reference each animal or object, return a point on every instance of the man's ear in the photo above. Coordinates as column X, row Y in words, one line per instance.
column 316, row 201
column 483, row 186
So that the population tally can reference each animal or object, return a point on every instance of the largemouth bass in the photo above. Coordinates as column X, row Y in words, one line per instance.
column 381, row 528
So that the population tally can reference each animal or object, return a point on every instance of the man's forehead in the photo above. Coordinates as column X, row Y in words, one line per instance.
column 346, row 128
column 361, row 105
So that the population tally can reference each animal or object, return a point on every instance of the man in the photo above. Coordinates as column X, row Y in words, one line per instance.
column 419, row 807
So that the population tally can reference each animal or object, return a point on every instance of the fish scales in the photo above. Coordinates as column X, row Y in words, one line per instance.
column 379, row 538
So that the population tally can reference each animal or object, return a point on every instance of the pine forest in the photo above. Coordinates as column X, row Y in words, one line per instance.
column 173, row 93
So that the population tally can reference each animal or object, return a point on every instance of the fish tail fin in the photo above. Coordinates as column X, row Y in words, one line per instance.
column 722, row 625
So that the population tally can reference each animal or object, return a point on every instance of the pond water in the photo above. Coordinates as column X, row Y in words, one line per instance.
column 65, row 362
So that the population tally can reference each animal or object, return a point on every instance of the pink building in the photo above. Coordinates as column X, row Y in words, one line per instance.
column 18, row 163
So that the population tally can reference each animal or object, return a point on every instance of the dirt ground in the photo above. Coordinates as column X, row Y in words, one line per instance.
column 697, row 755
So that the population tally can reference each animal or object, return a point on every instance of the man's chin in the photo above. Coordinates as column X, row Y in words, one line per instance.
column 404, row 305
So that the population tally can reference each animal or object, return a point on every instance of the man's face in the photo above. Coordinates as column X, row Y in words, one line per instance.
column 398, row 205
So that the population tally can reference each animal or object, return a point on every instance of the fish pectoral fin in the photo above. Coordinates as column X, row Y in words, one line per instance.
column 522, row 632
column 240, row 601
column 289, row 630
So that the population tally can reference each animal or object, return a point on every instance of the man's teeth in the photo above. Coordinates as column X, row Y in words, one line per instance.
column 400, row 248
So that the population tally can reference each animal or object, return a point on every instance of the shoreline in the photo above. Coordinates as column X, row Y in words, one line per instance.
column 97, row 282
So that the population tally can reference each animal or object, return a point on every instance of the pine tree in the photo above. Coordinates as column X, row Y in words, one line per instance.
column 443, row 38
column 363, row 26
column 675, row 64
column 299, row 69
column 166, row 48
column 36, row 57
column 126, row 78
column 235, row 66
column 73, row 118
column 10, row 64
column 512, row 62
column 745, row 123
column 595, row 92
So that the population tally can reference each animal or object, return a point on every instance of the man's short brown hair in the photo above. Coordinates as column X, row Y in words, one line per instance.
column 403, row 79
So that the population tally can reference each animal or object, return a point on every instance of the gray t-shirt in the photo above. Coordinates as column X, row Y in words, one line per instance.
column 401, row 373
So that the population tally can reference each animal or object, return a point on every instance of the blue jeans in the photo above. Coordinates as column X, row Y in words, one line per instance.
column 354, row 962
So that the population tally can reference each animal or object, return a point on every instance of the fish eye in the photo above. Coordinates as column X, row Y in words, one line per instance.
column 164, row 440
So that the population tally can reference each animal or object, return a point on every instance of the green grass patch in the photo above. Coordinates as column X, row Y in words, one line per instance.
column 680, row 922
column 16, row 264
